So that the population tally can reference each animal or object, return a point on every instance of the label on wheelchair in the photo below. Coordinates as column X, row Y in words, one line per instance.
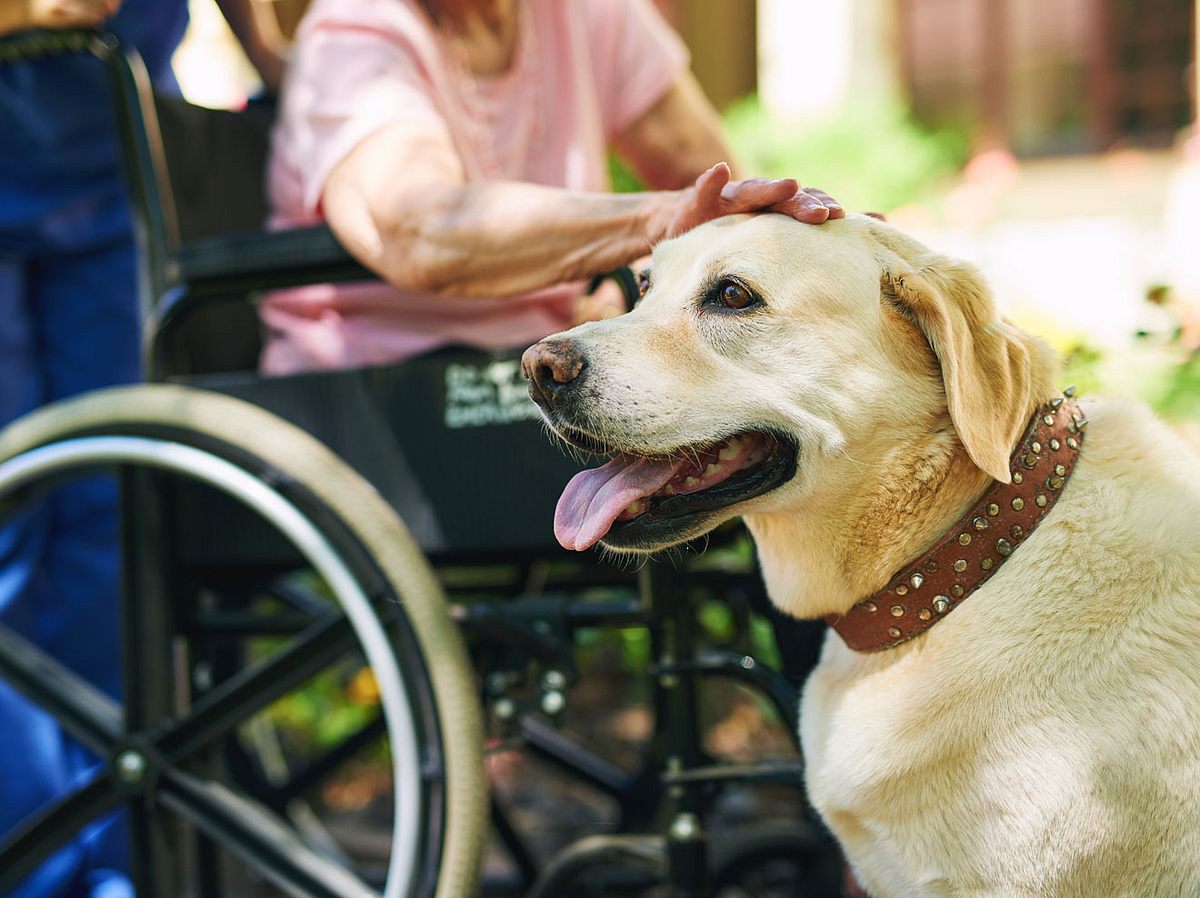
column 485, row 394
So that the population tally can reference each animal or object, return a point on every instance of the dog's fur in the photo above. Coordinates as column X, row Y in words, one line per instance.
column 1043, row 739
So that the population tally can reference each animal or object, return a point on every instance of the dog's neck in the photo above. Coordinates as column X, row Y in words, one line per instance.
column 854, row 533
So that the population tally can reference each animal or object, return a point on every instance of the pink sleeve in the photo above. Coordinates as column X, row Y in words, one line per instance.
column 348, row 78
column 635, row 58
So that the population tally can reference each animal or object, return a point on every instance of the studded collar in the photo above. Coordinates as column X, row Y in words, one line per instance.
column 927, row 589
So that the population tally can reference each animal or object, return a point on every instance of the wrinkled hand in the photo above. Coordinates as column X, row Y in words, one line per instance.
column 714, row 195
column 69, row 13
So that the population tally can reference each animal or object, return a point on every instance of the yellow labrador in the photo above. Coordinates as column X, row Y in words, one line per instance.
column 1033, row 728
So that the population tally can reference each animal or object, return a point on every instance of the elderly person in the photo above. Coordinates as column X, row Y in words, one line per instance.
column 458, row 148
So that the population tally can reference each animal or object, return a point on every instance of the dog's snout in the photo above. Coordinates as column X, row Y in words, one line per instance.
column 551, row 366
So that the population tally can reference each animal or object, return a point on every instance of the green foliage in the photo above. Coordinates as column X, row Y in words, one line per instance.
column 1178, row 395
column 321, row 714
column 872, row 156
column 1082, row 368
column 623, row 180
column 763, row 644
column 1164, row 374
column 717, row 621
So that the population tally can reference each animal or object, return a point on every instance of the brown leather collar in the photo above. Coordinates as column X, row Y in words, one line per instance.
column 927, row 589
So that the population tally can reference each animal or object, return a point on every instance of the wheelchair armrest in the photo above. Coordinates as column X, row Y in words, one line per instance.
column 234, row 265
column 263, row 260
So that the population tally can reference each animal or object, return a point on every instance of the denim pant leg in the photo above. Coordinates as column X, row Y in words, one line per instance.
column 33, row 764
column 67, row 324
column 85, row 304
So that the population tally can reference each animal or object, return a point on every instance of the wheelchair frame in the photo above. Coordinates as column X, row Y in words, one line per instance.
column 177, row 279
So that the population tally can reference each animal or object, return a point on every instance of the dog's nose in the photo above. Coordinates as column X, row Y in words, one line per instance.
column 550, row 367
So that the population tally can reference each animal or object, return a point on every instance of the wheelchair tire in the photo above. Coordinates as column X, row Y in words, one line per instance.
column 286, row 475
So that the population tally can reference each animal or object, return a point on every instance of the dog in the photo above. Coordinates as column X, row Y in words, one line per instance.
column 1023, row 720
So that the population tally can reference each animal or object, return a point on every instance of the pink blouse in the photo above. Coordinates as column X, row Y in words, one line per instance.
column 583, row 71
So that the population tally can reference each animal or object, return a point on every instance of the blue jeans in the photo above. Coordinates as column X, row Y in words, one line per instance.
column 68, row 324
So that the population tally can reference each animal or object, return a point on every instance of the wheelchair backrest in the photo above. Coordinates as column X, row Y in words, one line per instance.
column 451, row 440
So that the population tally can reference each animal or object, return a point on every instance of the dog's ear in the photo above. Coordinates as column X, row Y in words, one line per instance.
column 993, row 373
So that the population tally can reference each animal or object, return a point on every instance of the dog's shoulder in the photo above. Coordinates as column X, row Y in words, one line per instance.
column 1133, row 503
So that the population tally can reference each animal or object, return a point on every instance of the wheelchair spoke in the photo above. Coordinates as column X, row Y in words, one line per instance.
column 252, row 689
column 316, row 772
column 55, row 825
column 83, row 710
column 258, row 837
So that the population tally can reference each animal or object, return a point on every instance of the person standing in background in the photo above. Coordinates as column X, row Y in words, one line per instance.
column 68, row 324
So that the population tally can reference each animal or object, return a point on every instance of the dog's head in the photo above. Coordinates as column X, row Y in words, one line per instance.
column 768, row 366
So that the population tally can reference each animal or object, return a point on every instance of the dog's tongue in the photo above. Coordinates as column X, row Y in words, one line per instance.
column 594, row 499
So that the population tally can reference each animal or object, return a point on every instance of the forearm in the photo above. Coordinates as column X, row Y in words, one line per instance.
column 499, row 238
column 245, row 21
column 19, row 15
column 14, row 16
column 400, row 204
column 257, row 30
column 677, row 139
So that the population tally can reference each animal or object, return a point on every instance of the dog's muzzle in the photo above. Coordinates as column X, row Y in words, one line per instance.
column 552, row 368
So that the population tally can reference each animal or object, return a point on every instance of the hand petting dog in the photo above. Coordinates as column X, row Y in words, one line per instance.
column 714, row 194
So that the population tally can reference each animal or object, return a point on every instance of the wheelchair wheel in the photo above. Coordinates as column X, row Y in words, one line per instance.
column 158, row 743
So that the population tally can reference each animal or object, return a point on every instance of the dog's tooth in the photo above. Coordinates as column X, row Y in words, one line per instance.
column 691, row 481
column 731, row 451
column 713, row 469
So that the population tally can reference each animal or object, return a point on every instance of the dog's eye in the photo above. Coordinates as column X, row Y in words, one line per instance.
column 733, row 295
column 643, row 281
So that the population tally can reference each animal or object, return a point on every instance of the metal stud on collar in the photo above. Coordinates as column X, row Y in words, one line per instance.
column 1056, row 438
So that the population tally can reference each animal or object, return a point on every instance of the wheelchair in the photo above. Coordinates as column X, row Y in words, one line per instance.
column 384, row 528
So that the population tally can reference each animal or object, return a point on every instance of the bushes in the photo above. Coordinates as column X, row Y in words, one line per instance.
column 871, row 156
